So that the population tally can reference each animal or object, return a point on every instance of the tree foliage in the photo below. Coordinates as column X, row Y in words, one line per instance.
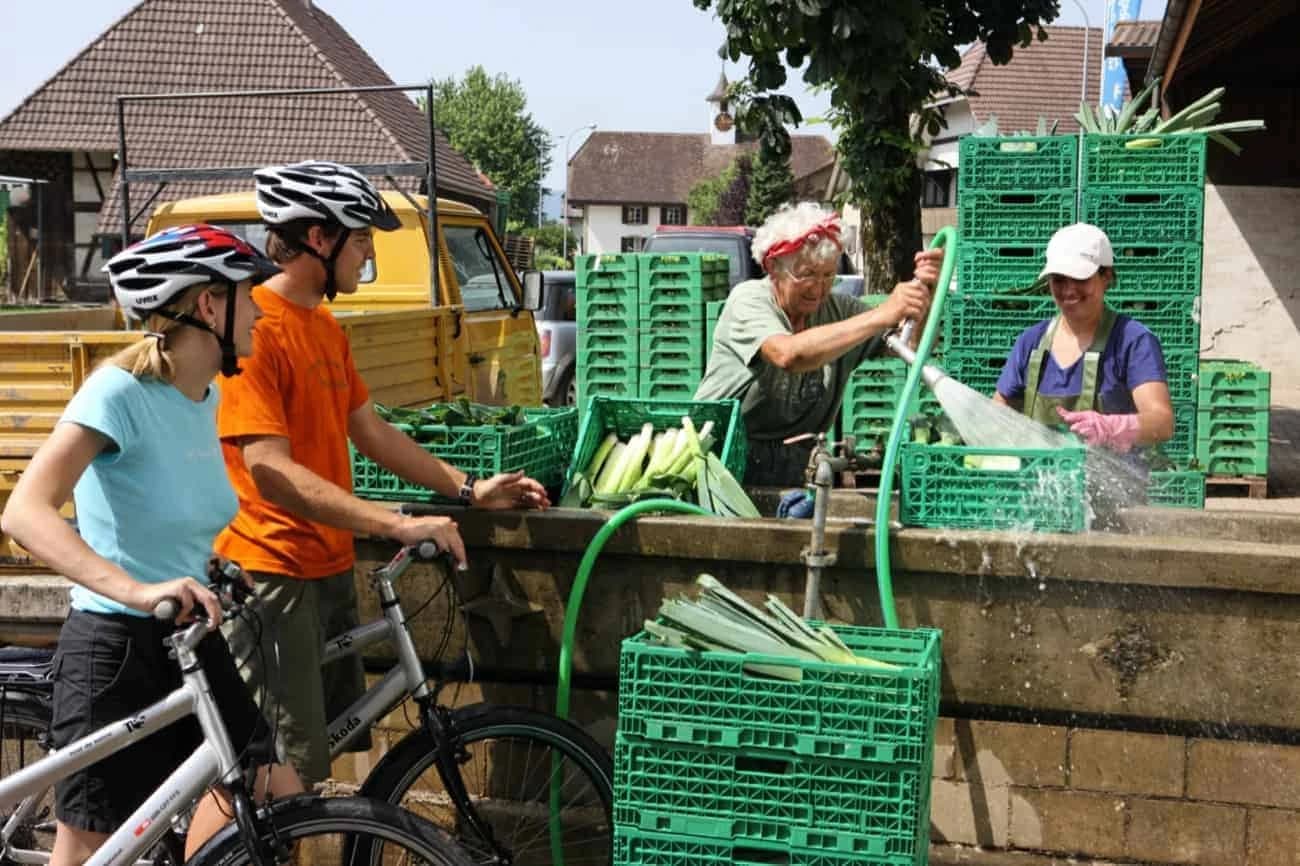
column 705, row 198
column 486, row 118
column 734, row 201
column 548, row 242
column 773, row 184
column 882, row 62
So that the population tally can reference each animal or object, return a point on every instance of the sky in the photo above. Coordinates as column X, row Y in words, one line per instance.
column 613, row 63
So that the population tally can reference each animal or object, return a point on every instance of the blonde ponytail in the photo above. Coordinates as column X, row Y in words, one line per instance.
column 149, row 358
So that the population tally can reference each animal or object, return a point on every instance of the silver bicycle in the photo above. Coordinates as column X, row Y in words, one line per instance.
column 313, row 829
column 512, row 784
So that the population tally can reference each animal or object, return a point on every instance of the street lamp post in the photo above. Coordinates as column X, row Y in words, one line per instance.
column 564, row 199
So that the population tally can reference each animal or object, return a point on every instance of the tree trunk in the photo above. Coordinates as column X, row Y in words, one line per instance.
column 891, row 234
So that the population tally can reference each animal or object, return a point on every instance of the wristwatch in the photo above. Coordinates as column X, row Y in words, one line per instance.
column 466, row 494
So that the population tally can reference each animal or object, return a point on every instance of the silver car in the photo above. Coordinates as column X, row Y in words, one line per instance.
column 557, row 331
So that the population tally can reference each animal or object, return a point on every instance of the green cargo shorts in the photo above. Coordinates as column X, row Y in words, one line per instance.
column 277, row 644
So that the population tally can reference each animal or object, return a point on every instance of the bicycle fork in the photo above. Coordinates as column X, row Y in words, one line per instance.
column 448, row 758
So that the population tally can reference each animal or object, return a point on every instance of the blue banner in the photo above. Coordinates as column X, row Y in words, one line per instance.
column 1113, row 79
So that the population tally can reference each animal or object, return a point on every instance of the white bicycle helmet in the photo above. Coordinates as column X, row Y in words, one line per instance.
column 153, row 273
column 321, row 191
column 149, row 276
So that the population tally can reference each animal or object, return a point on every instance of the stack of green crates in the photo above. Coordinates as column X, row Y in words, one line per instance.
column 608, row 305
column 872, row 393
column 1232, row 424
column 675, row 291
column 1013, row 193
column 1150, row 201
column 715, row 764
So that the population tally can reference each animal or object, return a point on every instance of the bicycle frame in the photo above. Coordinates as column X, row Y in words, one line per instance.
column 406, row 677
column 214, row 759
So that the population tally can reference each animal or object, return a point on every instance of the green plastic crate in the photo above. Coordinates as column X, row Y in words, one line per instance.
column 1175, row 160
column 608, row 307
column 535, row 447
column 1147, row 271
column 984, row 322
column 1017, row 162
column 633, row 847
column 618, row 269
column 606, row 380
column 671, row 311
column 1175, row 321
column 1176, row 488
column 1181, row 365
column 625, row 416
column 1146, row 216
column 601, row 342
column 1233, row 457
column 1236, row 385
column 974, row 369
column 848, row 807
column 657, row 389
column 1181, row 447
column 1028, row 216
column 687, row 340
column 1046, row 493
column 1232, row 425
column 683, row 266
column 833, row 712
column 712, row 310
column 993, row 267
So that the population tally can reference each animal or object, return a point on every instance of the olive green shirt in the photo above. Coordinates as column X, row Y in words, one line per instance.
column 776, row 403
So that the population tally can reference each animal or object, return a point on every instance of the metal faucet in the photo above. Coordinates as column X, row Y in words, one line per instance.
column 901, row 343
column 825, row 460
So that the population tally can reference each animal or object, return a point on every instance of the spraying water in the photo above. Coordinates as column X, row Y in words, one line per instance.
column 982, row 423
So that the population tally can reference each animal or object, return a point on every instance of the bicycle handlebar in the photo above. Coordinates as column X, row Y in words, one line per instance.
column 226, row 579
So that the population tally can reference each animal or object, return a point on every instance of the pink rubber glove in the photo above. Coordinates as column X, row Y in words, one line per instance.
column 1117, row 432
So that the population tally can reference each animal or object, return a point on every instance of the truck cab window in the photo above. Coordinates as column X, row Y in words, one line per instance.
column 481, row 275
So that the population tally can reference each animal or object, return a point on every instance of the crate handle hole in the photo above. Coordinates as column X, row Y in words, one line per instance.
column 1018, row 147
column 741, row 856
column 763, row 766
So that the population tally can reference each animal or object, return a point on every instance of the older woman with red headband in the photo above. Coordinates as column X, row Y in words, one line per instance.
column 785, row 346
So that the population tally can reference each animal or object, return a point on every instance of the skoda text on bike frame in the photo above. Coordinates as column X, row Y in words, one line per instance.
column 406, row 678
column 214, row 759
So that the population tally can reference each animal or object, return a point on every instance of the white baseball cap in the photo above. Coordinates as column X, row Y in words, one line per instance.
column 1077, row 252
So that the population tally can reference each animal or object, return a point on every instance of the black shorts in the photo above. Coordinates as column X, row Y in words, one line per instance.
column 109, row 666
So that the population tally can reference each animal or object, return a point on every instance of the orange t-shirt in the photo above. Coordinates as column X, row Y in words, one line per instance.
column 302, row 384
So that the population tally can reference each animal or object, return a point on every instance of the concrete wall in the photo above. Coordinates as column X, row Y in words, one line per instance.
column 1250, row 303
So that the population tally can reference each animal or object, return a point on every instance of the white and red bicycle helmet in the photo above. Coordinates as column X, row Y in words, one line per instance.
column 149, row 276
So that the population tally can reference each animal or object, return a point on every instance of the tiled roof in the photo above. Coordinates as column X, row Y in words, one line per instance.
column 1131, row 35
column 207, row 45
column 1042, row 80
column 661, row 167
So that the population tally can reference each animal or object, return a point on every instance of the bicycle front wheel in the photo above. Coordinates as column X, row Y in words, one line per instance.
column 349, row 831
column 516, row 765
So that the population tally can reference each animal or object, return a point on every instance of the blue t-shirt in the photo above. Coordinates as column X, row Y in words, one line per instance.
column 1132, row 357
column 153, row 503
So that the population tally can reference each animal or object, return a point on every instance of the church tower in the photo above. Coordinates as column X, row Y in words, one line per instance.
column 722, row 125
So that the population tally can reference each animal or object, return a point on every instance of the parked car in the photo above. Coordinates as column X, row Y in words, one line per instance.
column 557, row 333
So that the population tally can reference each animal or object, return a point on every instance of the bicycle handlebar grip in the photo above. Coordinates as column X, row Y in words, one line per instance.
column 167, row 609
column 427, row 550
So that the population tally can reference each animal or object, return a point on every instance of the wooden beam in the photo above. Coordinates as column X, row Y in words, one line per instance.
column 1171, row 65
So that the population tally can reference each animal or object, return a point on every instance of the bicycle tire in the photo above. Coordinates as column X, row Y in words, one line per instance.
column 24, row 739
column 307, row 823
column 407, row 776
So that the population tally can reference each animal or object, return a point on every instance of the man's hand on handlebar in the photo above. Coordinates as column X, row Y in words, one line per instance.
column 410, row 531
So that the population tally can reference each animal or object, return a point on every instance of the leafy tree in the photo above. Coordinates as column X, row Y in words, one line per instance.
column 705, row 198
column 735, row 198
column 487, row 119
column 882, row 62
column 773, row 184
column 548, row 243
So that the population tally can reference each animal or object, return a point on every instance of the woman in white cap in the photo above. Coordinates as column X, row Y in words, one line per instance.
column 785, row 346
column 1101, row 373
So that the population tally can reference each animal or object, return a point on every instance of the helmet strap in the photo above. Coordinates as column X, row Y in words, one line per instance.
column 229, row 358
column 330, row 291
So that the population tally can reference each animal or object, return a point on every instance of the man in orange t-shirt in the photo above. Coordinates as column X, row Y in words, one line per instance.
column 285, row 424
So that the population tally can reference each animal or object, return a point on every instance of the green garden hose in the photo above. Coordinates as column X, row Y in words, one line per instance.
column 947, row 239
column 571, row 609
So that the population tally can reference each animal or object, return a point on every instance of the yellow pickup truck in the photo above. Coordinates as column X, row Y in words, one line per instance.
column 493, row 354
